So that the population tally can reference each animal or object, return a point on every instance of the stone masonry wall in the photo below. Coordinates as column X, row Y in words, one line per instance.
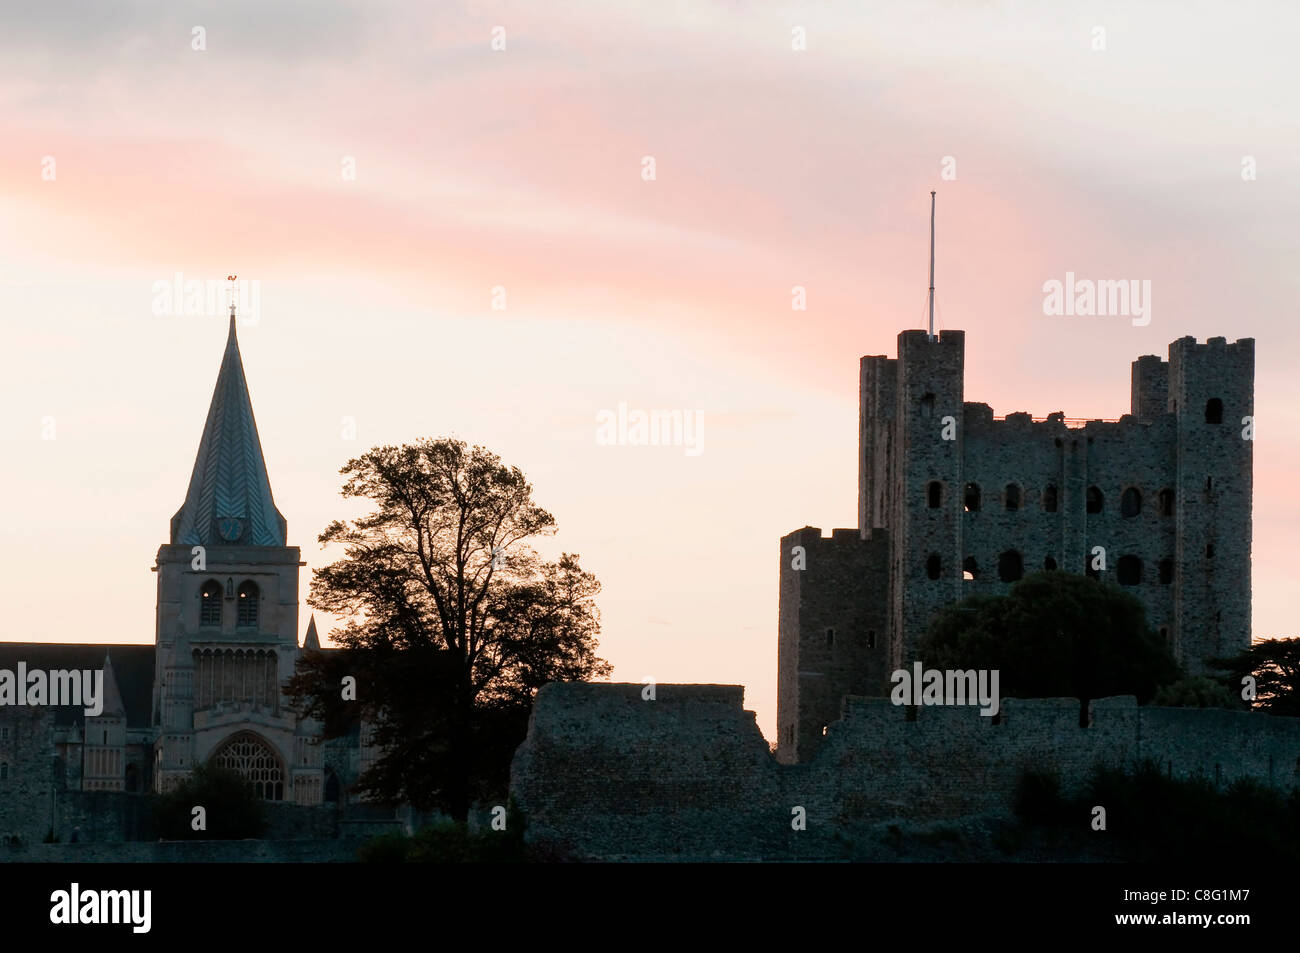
column 688, row 776
column 187, row 852
column 27, row 770
column 834, row 631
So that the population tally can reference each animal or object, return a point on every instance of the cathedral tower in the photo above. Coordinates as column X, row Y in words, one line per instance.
column 227, row 617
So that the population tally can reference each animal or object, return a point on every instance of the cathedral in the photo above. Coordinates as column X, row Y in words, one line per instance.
column 209, row 689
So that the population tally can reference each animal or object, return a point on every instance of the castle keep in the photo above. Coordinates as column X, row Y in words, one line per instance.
column 953, row 502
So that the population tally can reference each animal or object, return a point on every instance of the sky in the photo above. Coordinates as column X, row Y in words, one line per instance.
column 450, row 217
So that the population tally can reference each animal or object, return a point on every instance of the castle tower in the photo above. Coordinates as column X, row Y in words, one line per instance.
column 925, row 516
column 1211, row 394
column 961, row 503
column 833, row 631
column 227, row 623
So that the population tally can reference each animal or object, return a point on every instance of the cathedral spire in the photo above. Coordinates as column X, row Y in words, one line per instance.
column 112, row 703
column 229, row 500
column 311, row 642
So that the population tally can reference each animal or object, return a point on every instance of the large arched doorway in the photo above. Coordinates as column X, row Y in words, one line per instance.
column 256, row 761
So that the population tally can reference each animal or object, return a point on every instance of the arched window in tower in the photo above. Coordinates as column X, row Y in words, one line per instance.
column 331, row 786
column 934, row 494
column 253, row 759
column 934, row 566
column 210, row 603
column 1011, row 566
column 248, row 597
column 1049, row 498
column 1129, row 571
column 1011, row 496
column 1130, row 504
column 1165, row 502
column 1049, row 564
column 927, row 406
column 1214, row 411
column 971, row 497
column 970, row 569
column 1095, row 500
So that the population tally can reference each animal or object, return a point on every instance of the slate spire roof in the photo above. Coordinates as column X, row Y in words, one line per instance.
column 229, row 500
column 311, row 641
column 112, row 696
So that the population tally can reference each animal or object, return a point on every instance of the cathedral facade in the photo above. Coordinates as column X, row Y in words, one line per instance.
column 210, row 688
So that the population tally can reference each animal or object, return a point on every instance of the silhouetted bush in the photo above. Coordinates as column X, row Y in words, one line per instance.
column 1197, row 692
column 1151, row 816
column 231, row 809
column 1038, row 798
column 452, row 842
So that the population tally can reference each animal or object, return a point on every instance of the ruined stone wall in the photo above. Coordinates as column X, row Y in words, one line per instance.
column 27, row 769
column 607, row 774
column 686, row 776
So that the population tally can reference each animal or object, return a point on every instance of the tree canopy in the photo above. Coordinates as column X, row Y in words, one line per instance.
column 1274, row 665
column 452, row 620
column 231, row 810
column 1055, row 634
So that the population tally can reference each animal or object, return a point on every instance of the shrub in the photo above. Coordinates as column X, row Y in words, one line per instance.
column 1038, row 800
column 232, row 811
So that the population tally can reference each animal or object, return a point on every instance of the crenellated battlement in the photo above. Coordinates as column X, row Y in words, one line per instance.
column 968, row 502
column 690, row 777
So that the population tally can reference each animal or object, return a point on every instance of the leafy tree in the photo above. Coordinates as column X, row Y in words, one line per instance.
column 1200, row 691
column 1055, row 634
column 452, row 621
column 232, row 810
column 1275, row 666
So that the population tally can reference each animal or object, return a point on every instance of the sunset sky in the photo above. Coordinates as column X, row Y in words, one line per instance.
column 129, row 156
